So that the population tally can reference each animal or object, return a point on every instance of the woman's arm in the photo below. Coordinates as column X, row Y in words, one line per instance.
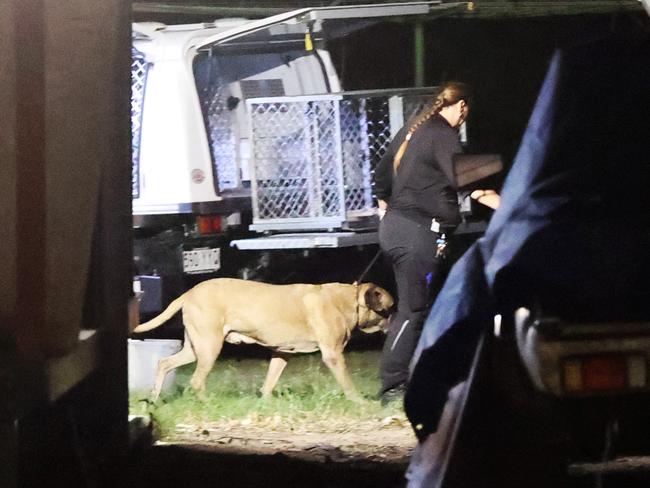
column 383, row 177
column 445, row 145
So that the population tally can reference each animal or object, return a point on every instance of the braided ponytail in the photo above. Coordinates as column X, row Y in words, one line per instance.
column 451, row 93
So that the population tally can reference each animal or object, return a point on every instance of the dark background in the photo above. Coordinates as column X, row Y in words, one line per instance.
column 502, row 48
column 503, row 59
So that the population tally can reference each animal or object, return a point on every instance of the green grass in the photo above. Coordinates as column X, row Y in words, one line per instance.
column 306, row 393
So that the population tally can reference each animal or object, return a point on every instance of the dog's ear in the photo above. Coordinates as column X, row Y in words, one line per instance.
column 377, row 298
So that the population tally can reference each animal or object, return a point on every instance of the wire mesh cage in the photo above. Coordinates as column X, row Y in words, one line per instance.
column 313, row 156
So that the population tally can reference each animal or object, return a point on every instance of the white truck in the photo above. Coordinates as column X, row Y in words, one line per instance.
column 243, row 139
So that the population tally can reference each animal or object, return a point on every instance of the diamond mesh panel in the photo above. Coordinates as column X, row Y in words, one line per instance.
column 378, row 128
column 139, row 69
column 314, row 158
column 278, row 149
column 223, row 141
column 356, row 152
column 414, row 104
column 326, row 173
column 295, row 154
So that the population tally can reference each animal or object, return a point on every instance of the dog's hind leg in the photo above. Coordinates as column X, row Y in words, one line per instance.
column 276, row 366
column 207, row 350
column 165, row 365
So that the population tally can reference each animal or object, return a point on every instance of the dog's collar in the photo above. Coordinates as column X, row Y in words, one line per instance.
column 383, row 313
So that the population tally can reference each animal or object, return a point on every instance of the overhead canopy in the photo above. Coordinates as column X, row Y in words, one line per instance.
column 477, row 9
column 294, row 24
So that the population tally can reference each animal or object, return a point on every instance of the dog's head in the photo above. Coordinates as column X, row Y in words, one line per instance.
column 378, row 305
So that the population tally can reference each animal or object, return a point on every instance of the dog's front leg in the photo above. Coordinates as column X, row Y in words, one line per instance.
column 336, row 363
column 276, row 366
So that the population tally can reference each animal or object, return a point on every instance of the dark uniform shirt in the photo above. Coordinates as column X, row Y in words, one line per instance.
column 425, row 182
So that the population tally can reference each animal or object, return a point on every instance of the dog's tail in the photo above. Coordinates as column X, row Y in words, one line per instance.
column 167, row 314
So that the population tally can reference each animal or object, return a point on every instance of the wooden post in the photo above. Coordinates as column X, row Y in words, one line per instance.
column 65, row 196
column 30, row 171
column 420, row 54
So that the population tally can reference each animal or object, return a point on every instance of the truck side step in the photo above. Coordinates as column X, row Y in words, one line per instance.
column 307, row 240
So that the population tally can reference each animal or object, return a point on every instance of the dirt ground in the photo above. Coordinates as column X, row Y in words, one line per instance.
column 389, row 440
column 264, row 452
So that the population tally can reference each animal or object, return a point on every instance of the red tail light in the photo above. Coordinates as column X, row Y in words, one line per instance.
column 208, row 224
column 604, row 372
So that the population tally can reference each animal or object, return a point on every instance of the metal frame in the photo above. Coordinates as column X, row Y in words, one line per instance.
column 318, row 14
column 307, row 240
column 313, row 155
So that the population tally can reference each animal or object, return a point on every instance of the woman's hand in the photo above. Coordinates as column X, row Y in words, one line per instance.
column 489, row 198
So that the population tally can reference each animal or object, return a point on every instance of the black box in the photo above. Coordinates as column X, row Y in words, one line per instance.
column 470, row 169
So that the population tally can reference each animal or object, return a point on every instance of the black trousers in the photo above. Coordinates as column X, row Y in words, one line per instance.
column 411, row 248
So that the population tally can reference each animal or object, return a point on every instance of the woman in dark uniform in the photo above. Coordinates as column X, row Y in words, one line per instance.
column 415, row 186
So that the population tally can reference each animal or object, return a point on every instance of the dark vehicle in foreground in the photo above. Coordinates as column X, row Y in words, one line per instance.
column 549, row 310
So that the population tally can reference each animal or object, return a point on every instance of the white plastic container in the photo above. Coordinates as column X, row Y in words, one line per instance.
column 143, row 362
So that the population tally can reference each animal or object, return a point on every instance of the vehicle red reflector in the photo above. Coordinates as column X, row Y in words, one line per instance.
column 208, row 224
column 604, row 373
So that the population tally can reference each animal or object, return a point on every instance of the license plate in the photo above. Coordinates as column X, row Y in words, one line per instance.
column 201, row 260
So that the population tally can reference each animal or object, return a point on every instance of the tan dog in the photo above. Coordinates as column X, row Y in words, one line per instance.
column 285, row 318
